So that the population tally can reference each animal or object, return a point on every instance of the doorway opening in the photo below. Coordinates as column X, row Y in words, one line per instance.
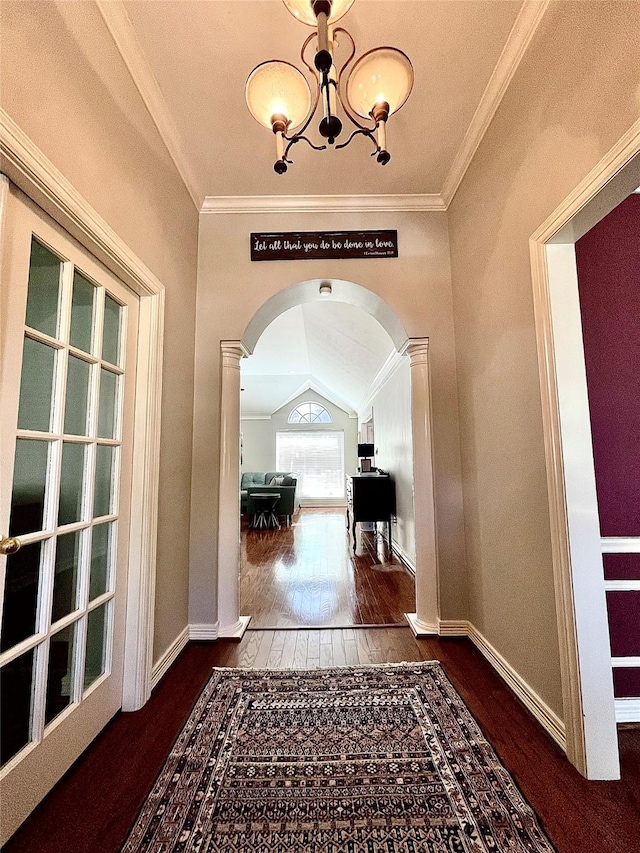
column 413, row 355
column 311, row 382
column 578, row 547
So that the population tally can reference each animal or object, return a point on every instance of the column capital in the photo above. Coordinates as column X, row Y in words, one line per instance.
column 417, row 349
column 232, row 352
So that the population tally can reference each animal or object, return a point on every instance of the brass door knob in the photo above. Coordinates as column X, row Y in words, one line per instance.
column 9, row 545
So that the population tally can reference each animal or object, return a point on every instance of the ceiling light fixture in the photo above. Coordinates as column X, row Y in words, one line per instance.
column 279, row 96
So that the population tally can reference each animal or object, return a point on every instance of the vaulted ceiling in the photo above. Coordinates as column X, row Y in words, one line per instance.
column 190, row 60
column 330, row 347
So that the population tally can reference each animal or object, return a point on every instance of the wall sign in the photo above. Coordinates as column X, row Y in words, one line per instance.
column 316, row 245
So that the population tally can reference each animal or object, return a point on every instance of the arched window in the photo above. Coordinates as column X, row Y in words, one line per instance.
column 310, row 413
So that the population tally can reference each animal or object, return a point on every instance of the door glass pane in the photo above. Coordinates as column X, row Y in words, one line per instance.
column 59, row 676
column 76, row 405
column 100, row 560
column 36, row 386
column 29, row 478
column 103, row 480
column 82, row 313
column 43, row 295
column 65, row 580
column 16, row 689
column 95, row 659
column 20, row 596
column 70, row 508
column 107, row 409
column 111, row 339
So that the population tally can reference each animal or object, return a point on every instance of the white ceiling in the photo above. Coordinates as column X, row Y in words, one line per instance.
column 334, row 348
column 190, row 60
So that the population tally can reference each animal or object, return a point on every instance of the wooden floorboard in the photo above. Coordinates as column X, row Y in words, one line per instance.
column 308, row 575
column 93, row 807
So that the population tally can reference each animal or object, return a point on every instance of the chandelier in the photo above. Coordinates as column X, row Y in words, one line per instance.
column 377, row 85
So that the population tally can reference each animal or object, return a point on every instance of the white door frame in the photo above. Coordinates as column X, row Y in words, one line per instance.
column 28, row 168
column 585, row 660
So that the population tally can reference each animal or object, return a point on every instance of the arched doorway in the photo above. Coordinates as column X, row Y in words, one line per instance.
column 426, row 618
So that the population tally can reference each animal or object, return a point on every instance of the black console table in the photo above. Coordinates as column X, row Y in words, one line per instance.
column 370, row 497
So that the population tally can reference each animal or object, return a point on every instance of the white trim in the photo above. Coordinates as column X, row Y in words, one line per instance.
column 421, row 629
column 586, row 676
column 320, row 389
column 234, row 632
column 169, row 656
column 622, row 586
column 626, row 662
column 388, row 369
column 454, row 628
column 400, row 552
column 145, row 487
column 547, row 718
column 517, row 42
column 32, row 172
column 37, row 177
column 627, row 710
column 407, row 203
column 204, row 631
column 620, row 544
column 130, row 49
column 627, row 147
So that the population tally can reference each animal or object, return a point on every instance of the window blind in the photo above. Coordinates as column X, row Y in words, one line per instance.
column 317, row 457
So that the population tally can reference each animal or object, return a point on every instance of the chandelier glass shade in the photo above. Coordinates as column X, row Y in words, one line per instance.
column 384, row 75
column 280, row 98
column 277, row 88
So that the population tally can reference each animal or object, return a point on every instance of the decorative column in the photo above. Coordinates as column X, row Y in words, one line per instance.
column 426, row 620
column 231, row 624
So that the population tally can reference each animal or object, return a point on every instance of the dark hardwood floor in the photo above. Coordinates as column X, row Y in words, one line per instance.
column 307, row 575
column 93, row 807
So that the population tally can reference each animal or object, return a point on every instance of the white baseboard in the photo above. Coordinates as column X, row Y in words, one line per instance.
column 400, row 552
column 627, row 710
column 205, row 631
column 453, row 628
column 169, row 656
column 547, row 718
column 234, row 632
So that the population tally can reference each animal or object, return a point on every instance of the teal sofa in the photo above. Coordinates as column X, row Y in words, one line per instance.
column 255, row 482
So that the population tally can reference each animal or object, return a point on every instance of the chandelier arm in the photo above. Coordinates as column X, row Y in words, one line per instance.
column 299, row 138
column 343, row 100
column 302, row 50
column 365, row 132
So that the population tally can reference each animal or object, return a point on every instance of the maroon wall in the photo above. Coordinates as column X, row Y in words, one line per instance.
column 608, row 259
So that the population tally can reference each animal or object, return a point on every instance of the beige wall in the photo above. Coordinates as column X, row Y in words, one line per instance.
column 66, row 86
column 416, row 286
column 576, row 92
column 394, row 451
column 259, row 436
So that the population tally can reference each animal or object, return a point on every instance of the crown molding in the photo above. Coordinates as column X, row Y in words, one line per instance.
column 389, row 367
column 410, row 203
column 523, row 30
column 125, row 38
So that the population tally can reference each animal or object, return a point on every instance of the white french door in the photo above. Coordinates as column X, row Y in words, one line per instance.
column 69, row 335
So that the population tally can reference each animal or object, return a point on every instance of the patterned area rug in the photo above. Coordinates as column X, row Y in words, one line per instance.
column 356, row 759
